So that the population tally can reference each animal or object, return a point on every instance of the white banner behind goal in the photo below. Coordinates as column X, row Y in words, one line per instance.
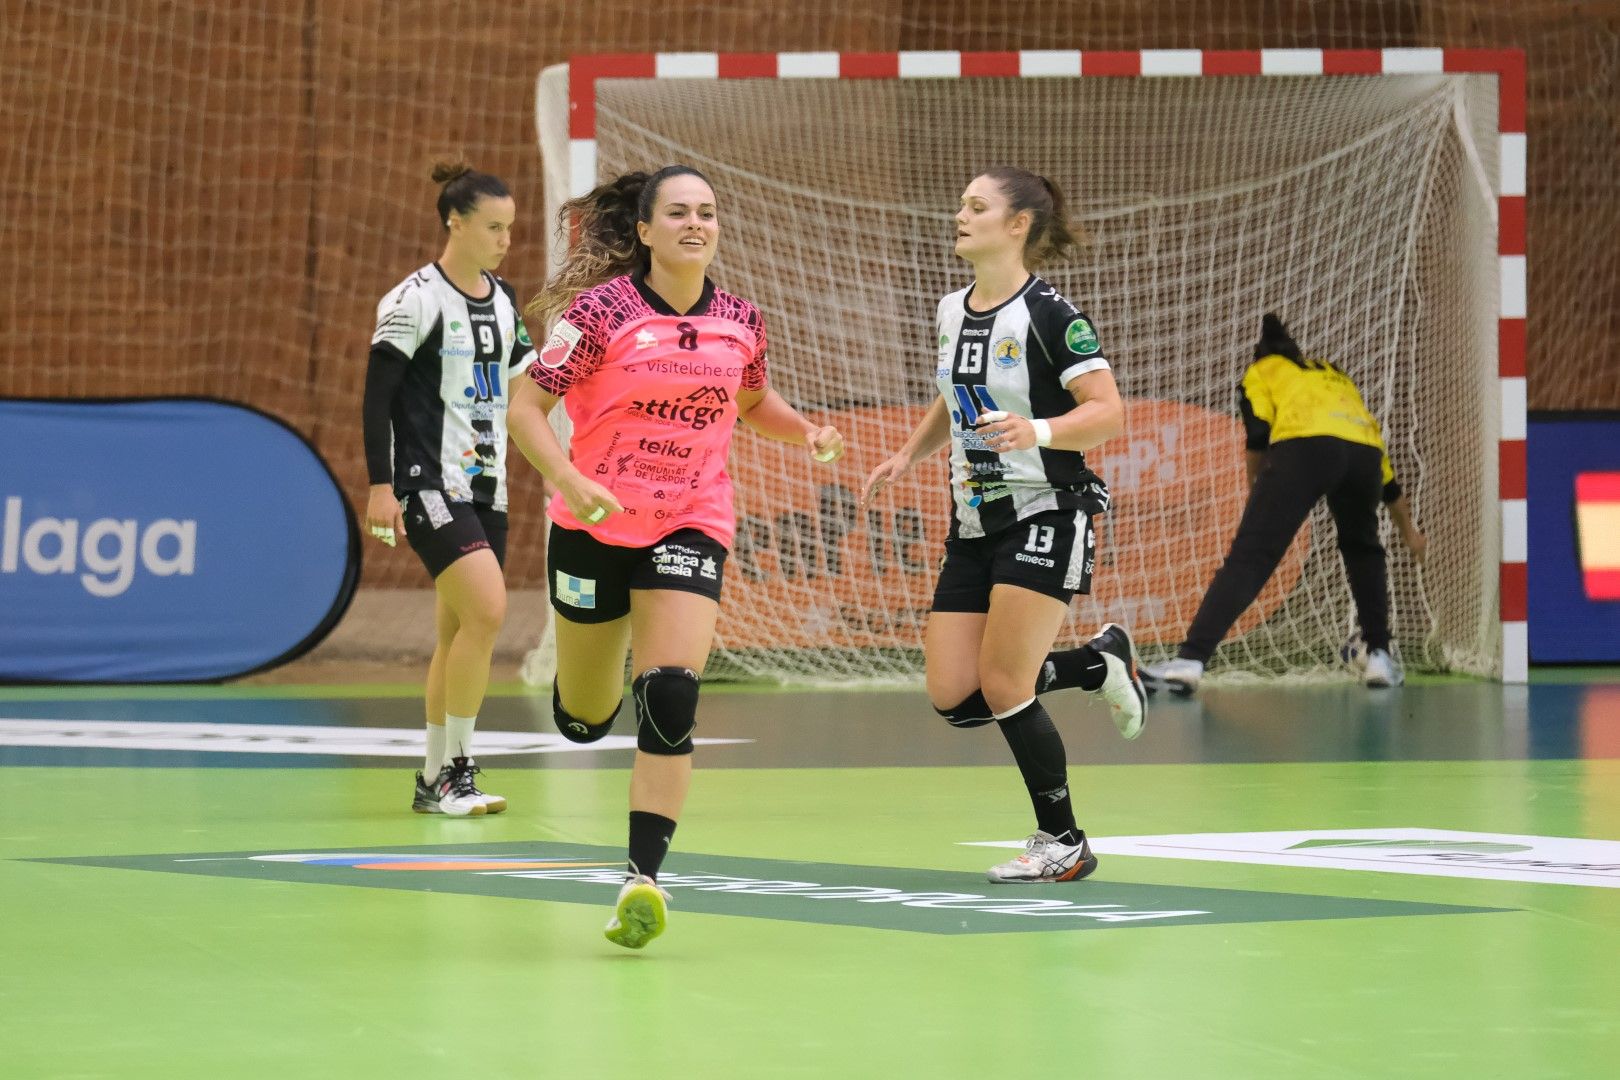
column 1363, row 209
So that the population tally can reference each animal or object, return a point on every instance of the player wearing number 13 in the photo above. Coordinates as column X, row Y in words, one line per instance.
column 1024, row 391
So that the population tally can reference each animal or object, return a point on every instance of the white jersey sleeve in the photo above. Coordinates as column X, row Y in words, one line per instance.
column 402, row 317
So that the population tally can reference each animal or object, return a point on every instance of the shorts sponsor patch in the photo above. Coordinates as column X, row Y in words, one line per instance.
column 678, row 560
column 433, row 503
column 574, row 591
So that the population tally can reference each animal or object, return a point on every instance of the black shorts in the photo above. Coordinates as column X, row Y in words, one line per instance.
column 441, row 531
column 591, row 581
column 1050, row 553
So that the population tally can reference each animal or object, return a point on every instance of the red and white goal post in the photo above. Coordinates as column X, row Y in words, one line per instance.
column 1374, row 199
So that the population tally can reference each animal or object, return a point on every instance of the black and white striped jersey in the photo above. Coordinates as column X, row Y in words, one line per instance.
column 461, row 355
column 1019, row 358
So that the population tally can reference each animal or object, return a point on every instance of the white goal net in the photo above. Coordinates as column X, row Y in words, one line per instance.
column 1360, row 209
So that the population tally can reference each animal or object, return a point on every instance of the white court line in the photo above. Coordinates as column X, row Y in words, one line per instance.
column 210, row 738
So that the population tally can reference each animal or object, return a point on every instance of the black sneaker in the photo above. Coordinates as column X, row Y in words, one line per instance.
column 1122, row 688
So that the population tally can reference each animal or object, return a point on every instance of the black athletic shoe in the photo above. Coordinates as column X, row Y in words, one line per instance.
column 1122, row 688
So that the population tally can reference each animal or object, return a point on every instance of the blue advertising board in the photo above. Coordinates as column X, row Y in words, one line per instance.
column 1568, row 622
column 164, row 540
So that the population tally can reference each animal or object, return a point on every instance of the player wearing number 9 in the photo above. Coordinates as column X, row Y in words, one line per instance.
column 1024, row 391
column 449, row 342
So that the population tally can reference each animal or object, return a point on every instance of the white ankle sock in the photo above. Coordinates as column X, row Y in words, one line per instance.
column 435, row 752
column 458, row 732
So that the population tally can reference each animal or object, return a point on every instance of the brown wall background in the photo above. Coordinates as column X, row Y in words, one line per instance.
column 209, row 196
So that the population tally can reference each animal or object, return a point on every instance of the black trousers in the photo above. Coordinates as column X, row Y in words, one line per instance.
column 1297, row 473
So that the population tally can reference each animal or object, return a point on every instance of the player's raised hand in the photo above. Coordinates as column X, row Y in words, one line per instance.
column 825, row 444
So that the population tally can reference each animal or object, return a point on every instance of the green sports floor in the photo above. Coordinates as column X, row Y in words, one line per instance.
column 1294, row 882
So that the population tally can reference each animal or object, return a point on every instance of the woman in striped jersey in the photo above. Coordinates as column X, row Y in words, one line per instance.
column 449, row 341
column 1024, row 391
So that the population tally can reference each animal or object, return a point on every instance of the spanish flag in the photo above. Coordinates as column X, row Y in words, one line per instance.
column 1597, row 524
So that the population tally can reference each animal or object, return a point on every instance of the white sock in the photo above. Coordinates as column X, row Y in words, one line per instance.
column 435, row 752
column 458, row 732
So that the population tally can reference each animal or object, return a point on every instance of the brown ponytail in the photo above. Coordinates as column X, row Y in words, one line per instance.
column 1053, row 235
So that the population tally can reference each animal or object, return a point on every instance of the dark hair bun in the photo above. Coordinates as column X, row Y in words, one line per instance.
column 446, row 171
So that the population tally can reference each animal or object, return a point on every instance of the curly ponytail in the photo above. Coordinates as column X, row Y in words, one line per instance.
column 606, row 242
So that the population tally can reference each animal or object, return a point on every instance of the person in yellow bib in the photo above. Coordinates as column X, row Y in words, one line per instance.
column 1308, row 436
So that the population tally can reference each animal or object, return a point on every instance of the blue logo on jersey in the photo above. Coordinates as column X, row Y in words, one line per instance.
column 486, row 381
column 971, row 402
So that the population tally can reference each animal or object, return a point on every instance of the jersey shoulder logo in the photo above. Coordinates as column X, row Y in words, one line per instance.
column 1081, row 338
column 560, row 345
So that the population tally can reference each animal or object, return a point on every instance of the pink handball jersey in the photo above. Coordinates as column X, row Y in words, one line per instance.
column 652, row 396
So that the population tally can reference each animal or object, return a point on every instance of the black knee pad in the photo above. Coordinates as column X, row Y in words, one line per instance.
column 971, row 711
column 666, row 710
column 574, row 729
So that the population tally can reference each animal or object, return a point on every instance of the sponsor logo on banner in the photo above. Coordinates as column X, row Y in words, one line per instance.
column 1556, row 860
column 874, row 897
column 1597, row 528
column 108, row 550
column 128, row 560
column 560, row 345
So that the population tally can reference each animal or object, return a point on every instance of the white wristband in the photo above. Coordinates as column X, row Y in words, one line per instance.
column 1043, row 432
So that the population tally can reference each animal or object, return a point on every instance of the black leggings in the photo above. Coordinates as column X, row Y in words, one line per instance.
column 1296, row 474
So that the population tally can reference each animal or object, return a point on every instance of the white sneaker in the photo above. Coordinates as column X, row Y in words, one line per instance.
column 1383, row 670
column 493, row 804
column 452, row 792
column 1179, row 676
column 1044, row 859
column 640, row 915
column 1122, row 687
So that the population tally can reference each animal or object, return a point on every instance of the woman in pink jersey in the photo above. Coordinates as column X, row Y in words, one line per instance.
column 654, row 366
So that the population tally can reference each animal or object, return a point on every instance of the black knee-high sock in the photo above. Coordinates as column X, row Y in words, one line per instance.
column 1038, row 750
column 650, row 835
column 1083, row 667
